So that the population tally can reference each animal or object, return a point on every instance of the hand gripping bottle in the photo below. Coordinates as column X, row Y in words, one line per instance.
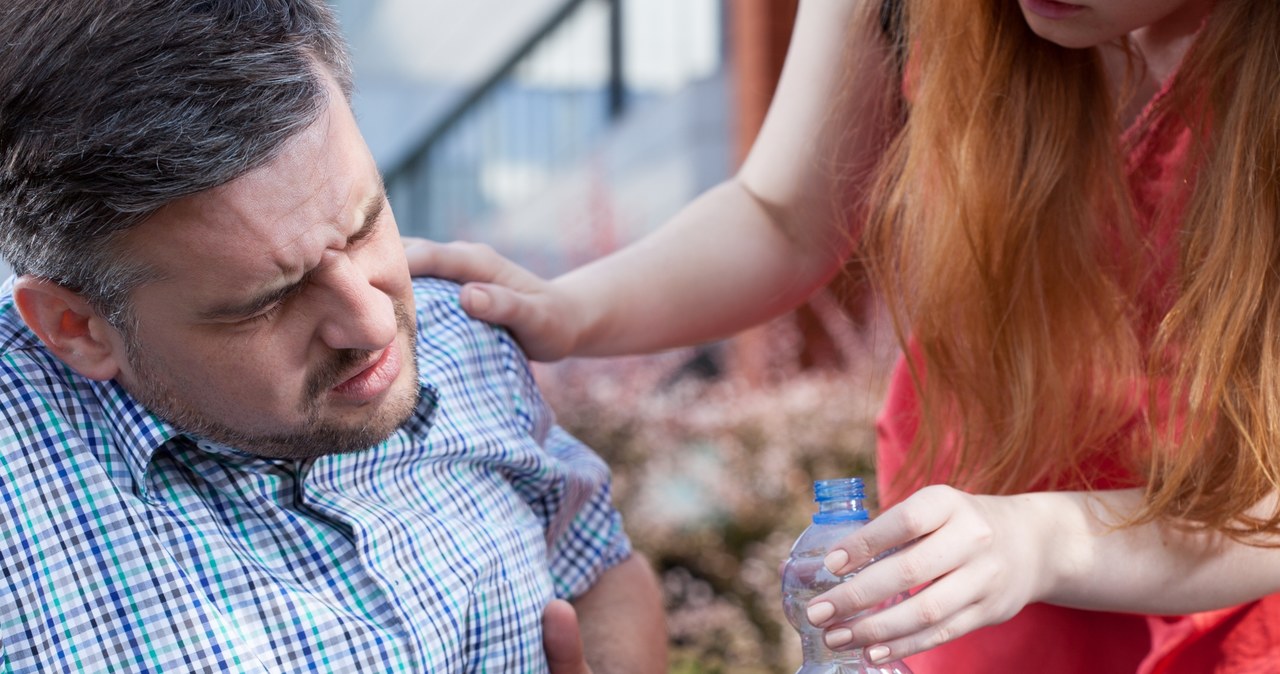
column 804, row 577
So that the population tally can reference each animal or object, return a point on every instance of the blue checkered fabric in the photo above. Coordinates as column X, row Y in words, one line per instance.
column 129, row 546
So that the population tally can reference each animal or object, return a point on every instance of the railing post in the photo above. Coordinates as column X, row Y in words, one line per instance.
column 617, row 78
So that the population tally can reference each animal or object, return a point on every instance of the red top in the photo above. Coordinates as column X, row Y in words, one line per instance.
column 1048, row 639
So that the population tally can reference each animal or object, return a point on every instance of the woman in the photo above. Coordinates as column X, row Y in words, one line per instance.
column 1074, row 212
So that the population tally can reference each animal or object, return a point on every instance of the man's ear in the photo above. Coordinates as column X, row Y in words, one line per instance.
column 71, row 328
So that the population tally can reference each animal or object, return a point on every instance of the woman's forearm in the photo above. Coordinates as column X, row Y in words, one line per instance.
column 1150, row 568
column 719, row 266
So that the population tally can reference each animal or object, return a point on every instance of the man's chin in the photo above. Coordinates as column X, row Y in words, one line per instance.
column 325, row 437
column 320, row 435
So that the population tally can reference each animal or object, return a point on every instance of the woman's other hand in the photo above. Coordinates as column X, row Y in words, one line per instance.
column 972, row 560
column 500, row 291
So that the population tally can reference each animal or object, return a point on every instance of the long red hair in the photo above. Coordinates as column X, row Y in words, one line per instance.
column 1002, row 233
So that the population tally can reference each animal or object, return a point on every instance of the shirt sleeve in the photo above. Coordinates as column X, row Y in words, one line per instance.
column 584, row 531
column 587, row 526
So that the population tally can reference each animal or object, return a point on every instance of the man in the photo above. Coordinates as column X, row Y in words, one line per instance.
column 236, row 436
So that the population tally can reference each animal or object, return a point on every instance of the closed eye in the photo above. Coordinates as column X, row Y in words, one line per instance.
column 263, row 307
column 372, row 216
column 265, row 314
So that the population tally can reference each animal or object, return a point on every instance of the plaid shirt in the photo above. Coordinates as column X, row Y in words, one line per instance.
column 129, row 546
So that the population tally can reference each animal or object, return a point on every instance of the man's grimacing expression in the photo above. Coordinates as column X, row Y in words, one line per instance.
column 282, row 323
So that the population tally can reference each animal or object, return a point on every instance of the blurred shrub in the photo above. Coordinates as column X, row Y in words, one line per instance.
column 714, row 479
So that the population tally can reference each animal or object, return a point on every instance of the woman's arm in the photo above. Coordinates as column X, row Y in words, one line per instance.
column 1154, row 568
column 981, row 559
column 749, row 249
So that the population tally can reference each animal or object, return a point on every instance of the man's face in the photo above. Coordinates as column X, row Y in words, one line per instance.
column 283, row 321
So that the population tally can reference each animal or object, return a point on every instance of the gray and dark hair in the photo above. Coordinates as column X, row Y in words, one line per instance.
column 111, row 109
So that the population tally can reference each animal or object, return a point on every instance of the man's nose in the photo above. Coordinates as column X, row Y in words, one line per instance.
column 357, row 314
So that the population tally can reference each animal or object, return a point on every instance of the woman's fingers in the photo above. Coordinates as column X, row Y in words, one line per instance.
column 919, row 515
column 968, row 558
column 500, row 291
column 912, row 641
column 496, row 304
column 465, row 262
column 954, row 604
column 539, row 321
column 933, row 556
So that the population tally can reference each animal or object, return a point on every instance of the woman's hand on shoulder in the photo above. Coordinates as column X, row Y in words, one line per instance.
column 500, row 291
column 969, row 561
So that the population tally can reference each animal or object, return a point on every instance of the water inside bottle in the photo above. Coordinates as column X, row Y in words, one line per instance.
column 807, row 579
column 805, row 576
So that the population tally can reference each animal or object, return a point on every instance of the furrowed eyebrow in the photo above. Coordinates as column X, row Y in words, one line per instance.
column 257, row 303
column 372, row 212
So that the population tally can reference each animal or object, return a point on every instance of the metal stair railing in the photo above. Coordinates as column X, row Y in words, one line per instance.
column 439, row 187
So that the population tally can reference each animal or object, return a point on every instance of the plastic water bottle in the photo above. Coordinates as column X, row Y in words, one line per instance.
column 804, row 577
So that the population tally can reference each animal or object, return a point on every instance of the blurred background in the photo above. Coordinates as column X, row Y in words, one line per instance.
column 559, row 130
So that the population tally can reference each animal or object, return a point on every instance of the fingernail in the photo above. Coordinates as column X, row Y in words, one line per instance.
column 478, row 299
column 820, row 613
column 878, row 653
column 835, row 560
column 838, row 638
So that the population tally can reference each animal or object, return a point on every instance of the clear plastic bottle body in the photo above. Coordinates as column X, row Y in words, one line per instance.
column 804, row 577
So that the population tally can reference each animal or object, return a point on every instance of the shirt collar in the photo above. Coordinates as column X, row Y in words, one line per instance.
column 135, row 431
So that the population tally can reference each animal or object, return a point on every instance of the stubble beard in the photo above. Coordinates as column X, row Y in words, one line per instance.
column 316, row 436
